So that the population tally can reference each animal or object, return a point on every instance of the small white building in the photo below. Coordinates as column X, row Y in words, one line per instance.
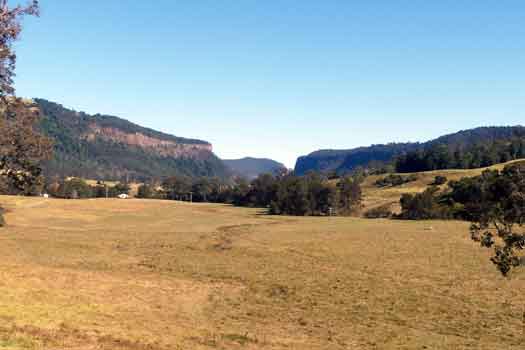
column 123, row 196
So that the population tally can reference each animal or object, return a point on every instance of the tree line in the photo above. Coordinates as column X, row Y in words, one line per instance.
column 312, row 194
column 479, row 155
column 285, row 194
column 75, row 188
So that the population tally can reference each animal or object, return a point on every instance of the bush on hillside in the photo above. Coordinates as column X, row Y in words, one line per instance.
column 2, row 221
column 469, row 197
column 439, row 180
column 423, row 206
column 395, row 180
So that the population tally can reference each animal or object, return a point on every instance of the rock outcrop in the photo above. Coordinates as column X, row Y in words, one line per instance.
column 164, row 148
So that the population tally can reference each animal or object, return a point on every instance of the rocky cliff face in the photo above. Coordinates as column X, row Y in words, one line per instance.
column 164, row 148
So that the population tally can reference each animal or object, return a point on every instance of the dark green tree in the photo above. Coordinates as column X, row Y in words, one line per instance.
column 321, row 196
column 202, row 190
column 439, row 180
column 177, row 187
column 240, row 192
column 349, row 195
column 423, row 206
column 21, row 147
column 501, row 219
column 119, row 188
column 74, row 188
column 100, row 190
column 292, row 197
column 146, row 191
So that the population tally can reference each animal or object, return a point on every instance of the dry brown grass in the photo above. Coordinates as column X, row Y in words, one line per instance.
column 111, row 274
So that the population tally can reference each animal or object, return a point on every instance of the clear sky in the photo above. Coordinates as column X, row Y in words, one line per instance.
column 282, row 78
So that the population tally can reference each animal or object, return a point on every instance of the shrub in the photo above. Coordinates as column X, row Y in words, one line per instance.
column 2, row 221
column 439, row 180
column 100, row 190
column 349, row 194
column 381, row 212
column 423, row 206
column 469, row 197
column 74, row 188
column 146, row 191
column 411, row 178
column 118, row 189
column 395, row 180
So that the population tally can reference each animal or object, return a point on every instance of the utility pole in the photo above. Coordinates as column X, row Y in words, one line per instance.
column 191, row 197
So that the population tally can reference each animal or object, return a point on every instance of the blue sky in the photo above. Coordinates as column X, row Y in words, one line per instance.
column 280, row 79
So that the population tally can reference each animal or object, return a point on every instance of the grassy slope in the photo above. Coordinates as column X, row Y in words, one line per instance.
column 374, row 196
column 110, row 274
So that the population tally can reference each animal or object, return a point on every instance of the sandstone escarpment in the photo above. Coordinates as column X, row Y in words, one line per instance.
column 165, row 148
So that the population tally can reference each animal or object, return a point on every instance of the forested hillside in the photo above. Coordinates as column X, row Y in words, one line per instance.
column 250, row 168
column 111, row 148
column 470, row 149
column 342, row 161
column 466, row 149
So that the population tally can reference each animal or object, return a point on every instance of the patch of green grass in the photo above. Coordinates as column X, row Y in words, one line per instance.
column 17, row 343
column 241, row 339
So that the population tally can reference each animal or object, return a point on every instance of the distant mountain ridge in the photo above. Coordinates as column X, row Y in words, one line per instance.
column 469, row 137
column 343, row 161
column 111, row 148
column 250, row 168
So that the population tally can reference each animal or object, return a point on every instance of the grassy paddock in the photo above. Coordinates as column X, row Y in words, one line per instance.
column 116, row 274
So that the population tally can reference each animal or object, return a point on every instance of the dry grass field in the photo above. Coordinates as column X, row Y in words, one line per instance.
column 110, row 274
